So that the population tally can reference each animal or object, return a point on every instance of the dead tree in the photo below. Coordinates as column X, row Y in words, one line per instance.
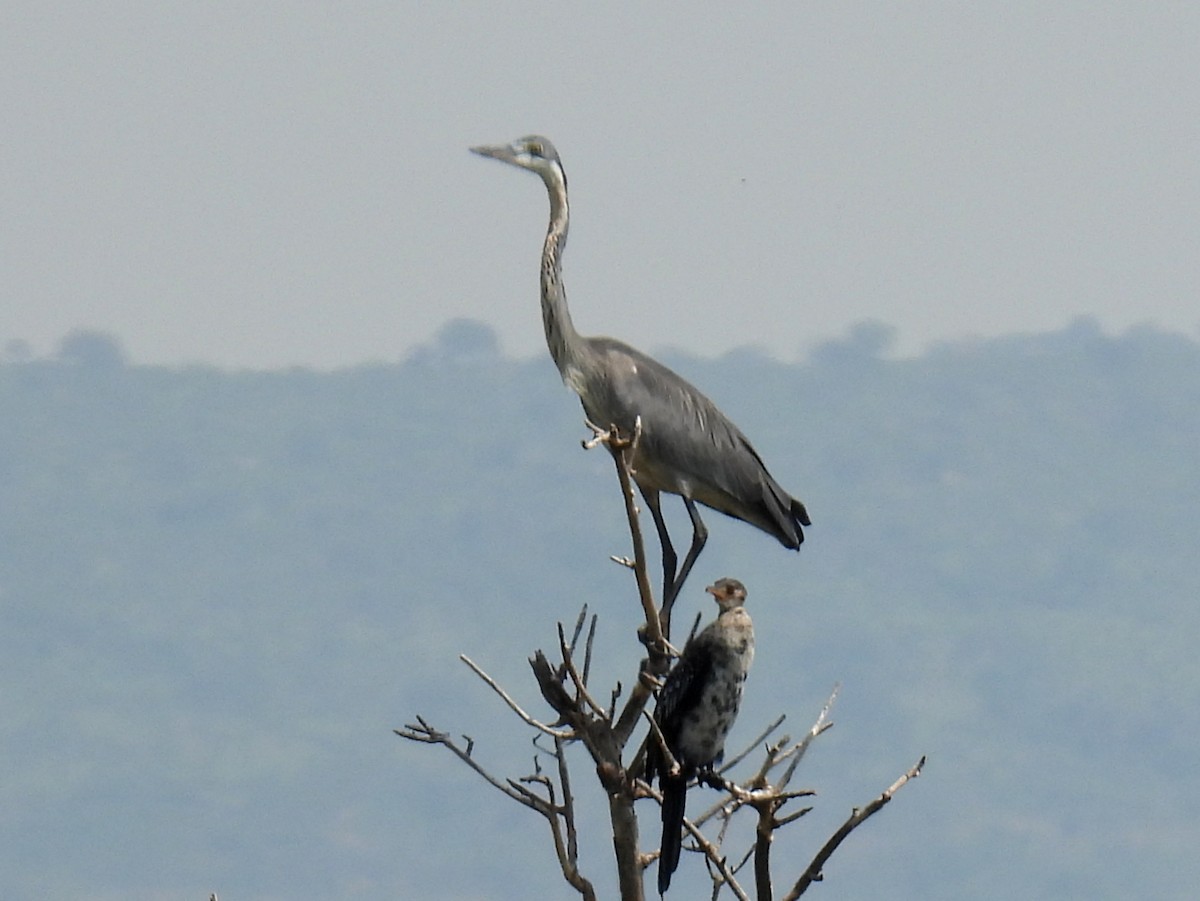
column 605, row 726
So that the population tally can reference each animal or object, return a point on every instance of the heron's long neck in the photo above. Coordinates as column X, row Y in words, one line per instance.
column 566, row 345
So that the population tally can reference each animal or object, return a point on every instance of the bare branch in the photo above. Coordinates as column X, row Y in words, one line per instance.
column 792, row 817
column 513, row 705
column 540, row 802
column 764, row 835
column 856, row 819
column 759, row 739
column 727, row 814
column 745, row 857
column 758, row 796
column 623, row 451
column 578, row 630
column 580, row 687
column 821, row 725
column 612, row 703
column 652, row 669
column 661, row 740
column 756, row 786
column 423, row 732
column 767, row 799
column 550, row 681
column 625, row 845
column 567, row 854
column 716, row 859
column 568, row 805
column 710, row 850
column 587, row 651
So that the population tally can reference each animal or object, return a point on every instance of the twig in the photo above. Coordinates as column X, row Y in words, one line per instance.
column 423, row 732
column 661, row 741
column 716, row 859
column 710, row 850
column 792, row 817
column 568, row 805
column 513, row 705
column 755, row 786
column 587, row 651
column 569, row 666
column 821, row 725
column 761, row 737
column 856, row 819
column 716, row 876
column 765, row 798
column 578, row 630
column 568, row 856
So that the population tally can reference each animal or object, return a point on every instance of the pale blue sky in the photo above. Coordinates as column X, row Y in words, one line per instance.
column 289, row 183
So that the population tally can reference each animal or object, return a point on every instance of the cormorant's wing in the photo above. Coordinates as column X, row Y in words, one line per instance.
column 680, row 693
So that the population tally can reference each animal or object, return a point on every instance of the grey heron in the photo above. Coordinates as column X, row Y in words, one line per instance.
column 688, row 447
column 696, row 708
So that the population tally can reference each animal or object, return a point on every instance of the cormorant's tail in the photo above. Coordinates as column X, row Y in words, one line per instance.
column 674, row 792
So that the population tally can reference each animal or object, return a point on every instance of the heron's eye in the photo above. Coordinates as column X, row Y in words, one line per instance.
column 535, row 149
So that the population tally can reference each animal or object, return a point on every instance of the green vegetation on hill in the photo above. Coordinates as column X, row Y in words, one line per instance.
column 219, row 591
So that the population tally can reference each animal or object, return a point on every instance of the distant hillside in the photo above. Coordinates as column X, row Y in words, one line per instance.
column 220, row 591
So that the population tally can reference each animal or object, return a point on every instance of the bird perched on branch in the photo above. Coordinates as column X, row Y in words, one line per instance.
column 696, row 708
column 688, row 447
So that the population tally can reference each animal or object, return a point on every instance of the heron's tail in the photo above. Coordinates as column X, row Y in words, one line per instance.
column 674, row 792
column 781, row 515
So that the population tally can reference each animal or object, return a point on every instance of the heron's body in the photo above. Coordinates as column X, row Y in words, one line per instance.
column 688, row 446
column 697, row 706
column 720, row 469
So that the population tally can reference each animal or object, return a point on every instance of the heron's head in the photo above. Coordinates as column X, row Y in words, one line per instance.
column 532, row 152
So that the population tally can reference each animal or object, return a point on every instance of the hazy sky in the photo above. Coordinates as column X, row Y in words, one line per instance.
column 264, row 184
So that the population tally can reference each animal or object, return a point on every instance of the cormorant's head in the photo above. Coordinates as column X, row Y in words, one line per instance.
column 730, row 593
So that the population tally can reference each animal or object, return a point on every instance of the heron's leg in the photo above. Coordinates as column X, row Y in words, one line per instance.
column 669, row 559
column 699, row 536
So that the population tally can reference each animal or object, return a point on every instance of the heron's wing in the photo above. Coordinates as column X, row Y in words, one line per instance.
column 674, row 411
column 688, row 445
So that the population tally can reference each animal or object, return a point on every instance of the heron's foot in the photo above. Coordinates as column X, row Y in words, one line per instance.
column 599, row 436
column 612, row 436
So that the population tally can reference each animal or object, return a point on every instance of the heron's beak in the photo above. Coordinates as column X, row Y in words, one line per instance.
column 495, row 151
